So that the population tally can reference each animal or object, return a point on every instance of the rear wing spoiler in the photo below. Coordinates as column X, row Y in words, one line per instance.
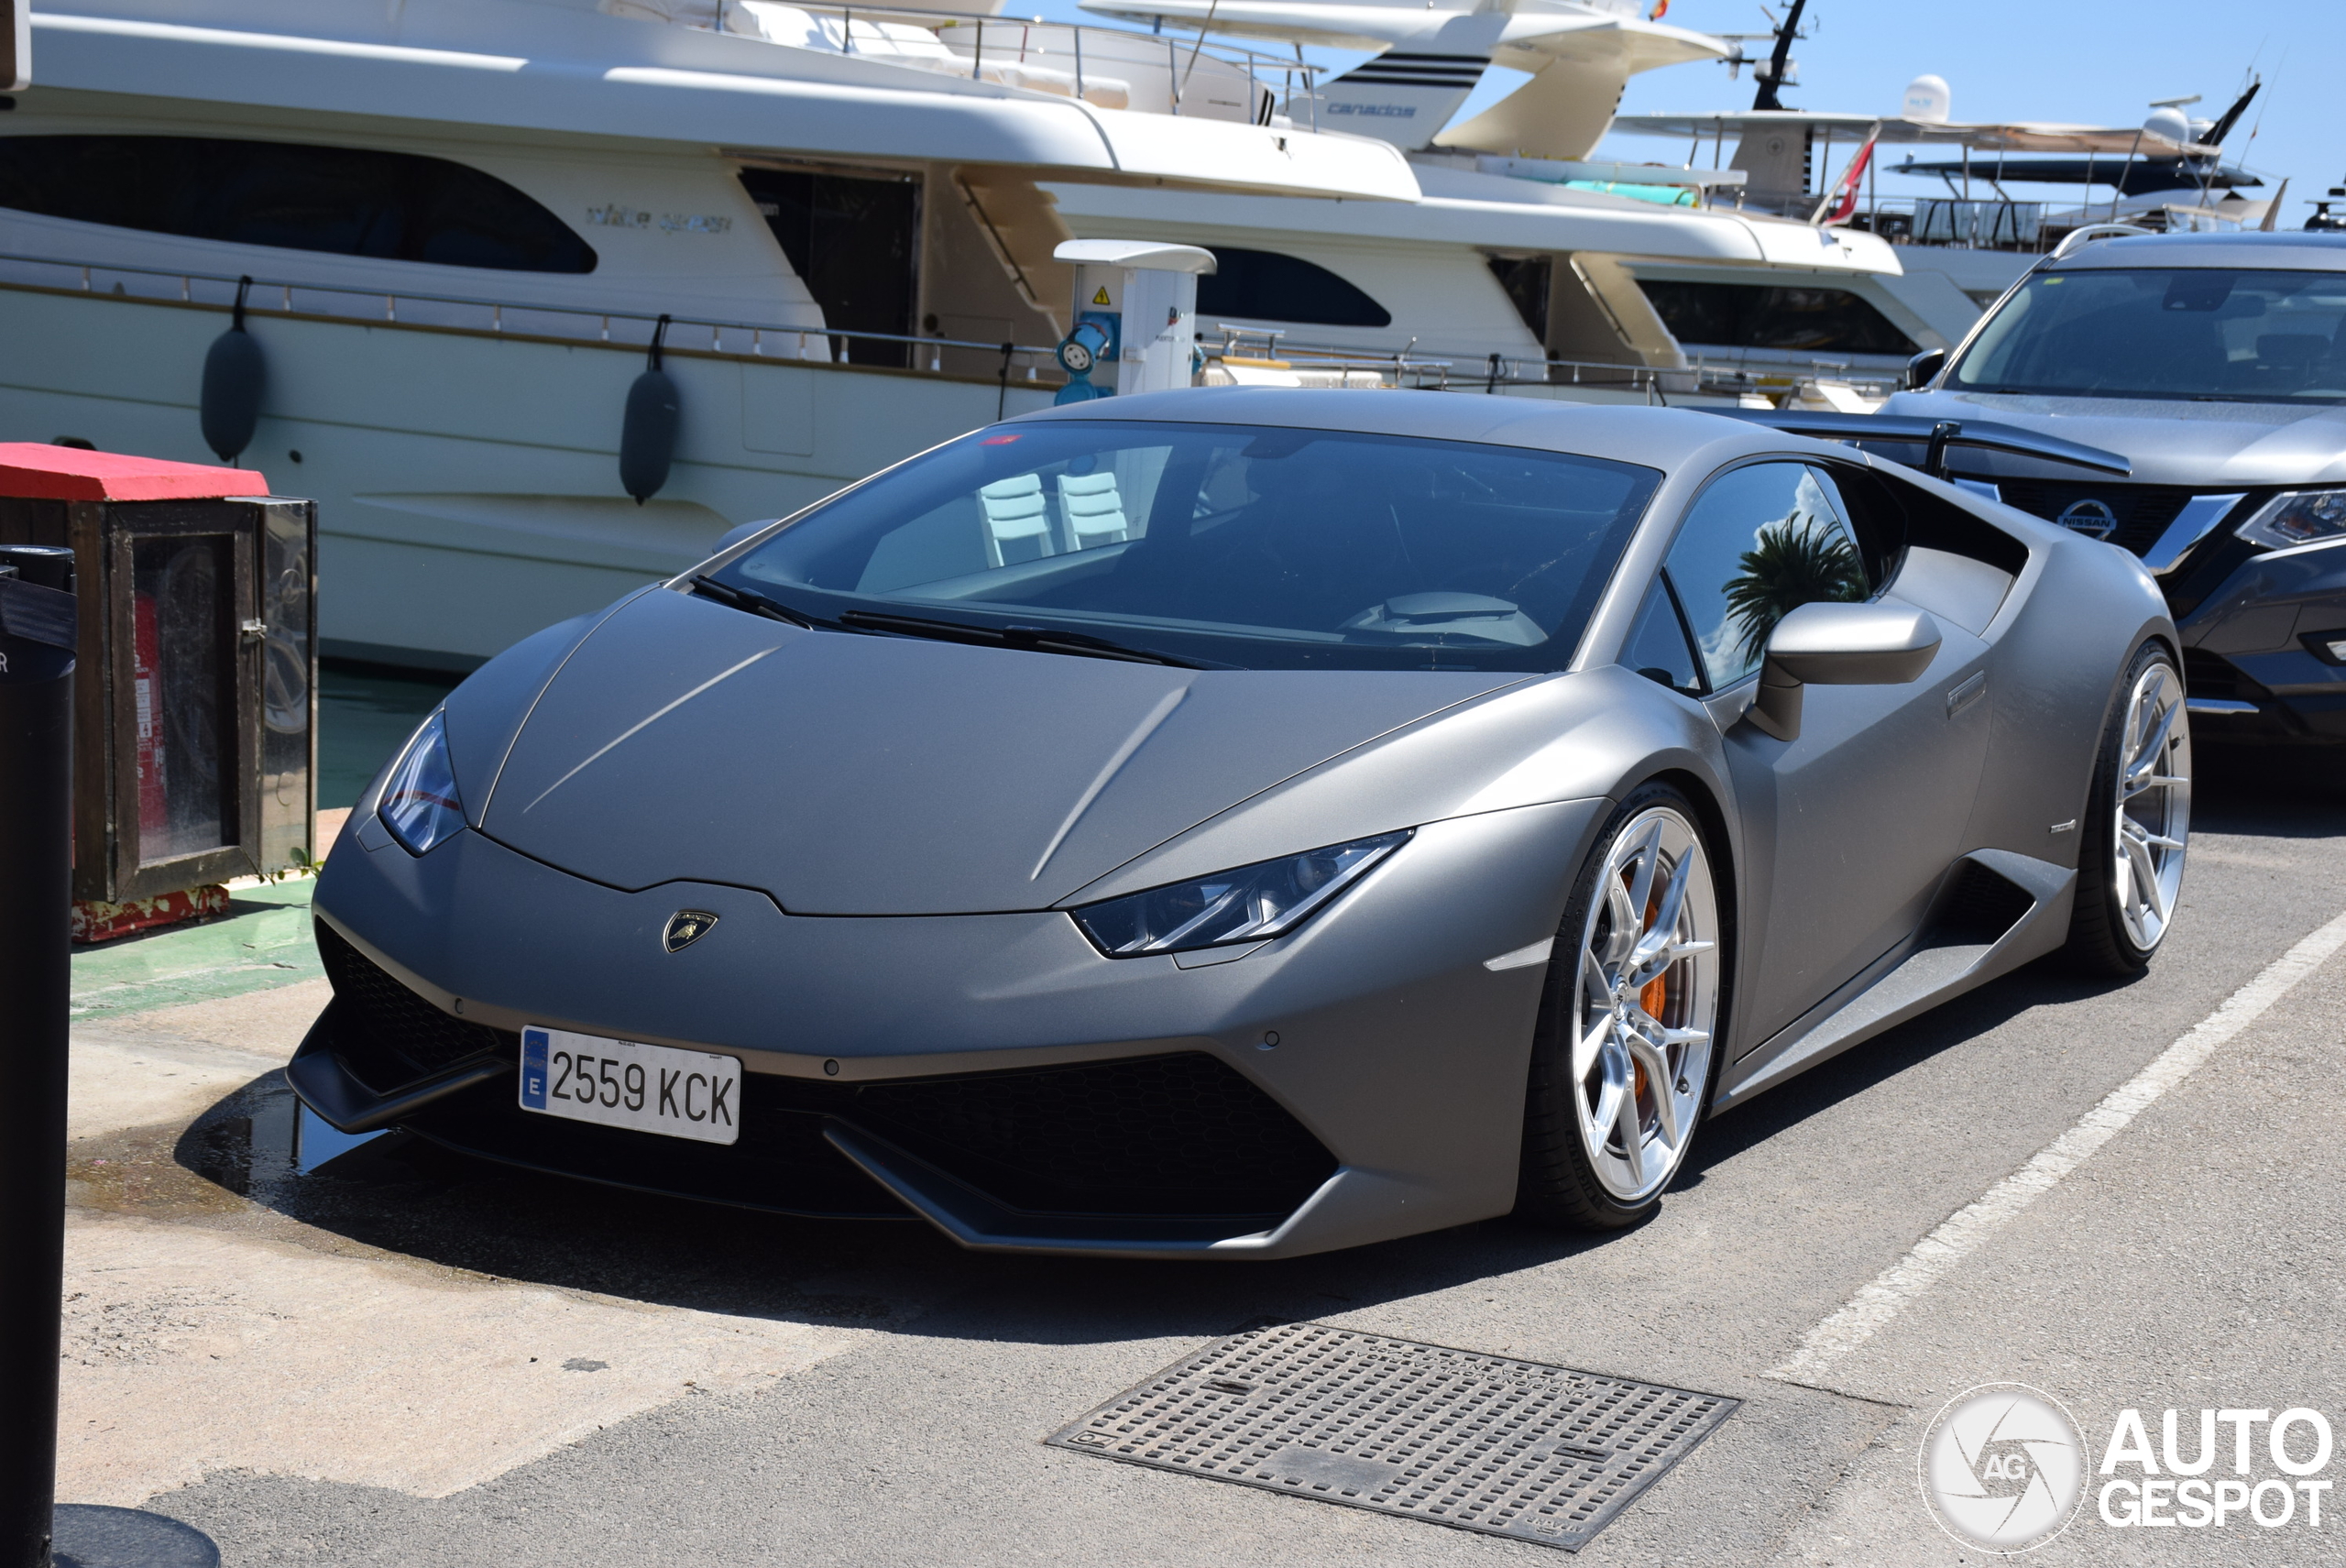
column 1935, row 436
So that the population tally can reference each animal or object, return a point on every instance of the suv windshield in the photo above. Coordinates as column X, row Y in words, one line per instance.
column 1221, row 545
column 2185, row 333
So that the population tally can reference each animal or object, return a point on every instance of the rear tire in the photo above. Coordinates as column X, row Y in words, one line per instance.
column 2137, row 824
column 1622, row 1055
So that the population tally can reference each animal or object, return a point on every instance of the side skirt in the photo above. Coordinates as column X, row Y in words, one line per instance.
column 1968, row 941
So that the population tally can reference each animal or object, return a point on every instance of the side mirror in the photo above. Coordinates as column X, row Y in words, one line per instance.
column 1838, row 645
column 1925, row 367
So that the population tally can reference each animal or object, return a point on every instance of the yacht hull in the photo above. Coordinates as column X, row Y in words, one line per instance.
column 467, row 482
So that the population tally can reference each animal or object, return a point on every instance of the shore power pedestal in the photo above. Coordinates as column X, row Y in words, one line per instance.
column 1135, row 327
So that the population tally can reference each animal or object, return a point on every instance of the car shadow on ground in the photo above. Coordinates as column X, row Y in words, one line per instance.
column 410, row 1198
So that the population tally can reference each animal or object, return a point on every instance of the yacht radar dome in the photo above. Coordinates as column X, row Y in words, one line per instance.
column 1928, row 100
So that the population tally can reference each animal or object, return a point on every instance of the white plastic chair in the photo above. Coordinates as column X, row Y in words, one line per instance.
column 1016, row 509
column 1094, row 509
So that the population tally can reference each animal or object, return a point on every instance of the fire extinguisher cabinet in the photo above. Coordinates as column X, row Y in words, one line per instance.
column 195, row 698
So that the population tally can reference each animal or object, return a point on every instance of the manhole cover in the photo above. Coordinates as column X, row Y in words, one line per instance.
column 1483, row 1443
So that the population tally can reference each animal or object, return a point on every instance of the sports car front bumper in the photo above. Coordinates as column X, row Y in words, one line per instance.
column 1360, row 1079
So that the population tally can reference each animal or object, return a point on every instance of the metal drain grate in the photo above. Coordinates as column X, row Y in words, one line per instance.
column 1481, row 1443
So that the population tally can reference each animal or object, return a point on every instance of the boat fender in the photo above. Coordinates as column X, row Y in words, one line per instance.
column 234, row 375
column 648, row 435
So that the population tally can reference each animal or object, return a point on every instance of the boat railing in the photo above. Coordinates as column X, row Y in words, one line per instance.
column 784, row 341
column 1247, row 354
column 1109, row 68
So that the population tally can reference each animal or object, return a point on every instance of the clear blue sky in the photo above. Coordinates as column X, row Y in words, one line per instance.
column 2099, row 62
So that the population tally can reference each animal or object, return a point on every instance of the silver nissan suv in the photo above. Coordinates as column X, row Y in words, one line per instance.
column 2217, row 364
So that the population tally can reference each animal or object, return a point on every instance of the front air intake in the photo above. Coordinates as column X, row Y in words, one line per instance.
column 391, row 1036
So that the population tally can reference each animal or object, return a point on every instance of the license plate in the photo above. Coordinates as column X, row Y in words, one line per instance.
column 619, row 1083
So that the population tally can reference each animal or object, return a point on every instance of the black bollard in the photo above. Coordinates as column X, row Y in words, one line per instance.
column 38, row 618
column 37, row 629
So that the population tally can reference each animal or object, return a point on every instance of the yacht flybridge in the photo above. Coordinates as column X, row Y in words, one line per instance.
column 458, row 231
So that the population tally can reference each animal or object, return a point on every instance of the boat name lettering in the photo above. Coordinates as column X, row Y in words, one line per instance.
column 621, row 217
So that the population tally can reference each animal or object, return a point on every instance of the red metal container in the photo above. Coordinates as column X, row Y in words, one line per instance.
column 195, row 700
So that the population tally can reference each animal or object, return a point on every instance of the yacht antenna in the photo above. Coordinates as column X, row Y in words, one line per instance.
column 1778, row 59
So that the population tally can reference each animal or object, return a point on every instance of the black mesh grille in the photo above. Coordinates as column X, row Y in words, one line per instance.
column 2141, row 512
column 1978, row 908
column 1173, row 1134
column 391, row 1032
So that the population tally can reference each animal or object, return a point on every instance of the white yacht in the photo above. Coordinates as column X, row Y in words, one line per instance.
column 1526, row 266
column 468, row 226
column 464, row 221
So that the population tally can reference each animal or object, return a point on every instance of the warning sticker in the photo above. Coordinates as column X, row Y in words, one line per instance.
column 1101, row 297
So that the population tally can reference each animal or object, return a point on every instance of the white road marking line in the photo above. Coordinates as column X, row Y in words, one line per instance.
column 1872, row 1308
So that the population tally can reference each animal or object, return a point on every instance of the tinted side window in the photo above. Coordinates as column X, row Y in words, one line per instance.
column 1751, row 316
column 854, row 241
column 1264, row 285
column 1759, row 544
column 340, row 199
column 1658, row 648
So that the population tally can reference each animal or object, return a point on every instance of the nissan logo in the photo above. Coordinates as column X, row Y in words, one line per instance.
column 2089, row 517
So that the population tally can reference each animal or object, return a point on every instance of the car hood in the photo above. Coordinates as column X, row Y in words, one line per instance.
column 2200, row 444
column 850, row 774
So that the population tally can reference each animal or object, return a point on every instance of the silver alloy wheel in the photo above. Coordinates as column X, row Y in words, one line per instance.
column 1647, row 998
column 2154, row 805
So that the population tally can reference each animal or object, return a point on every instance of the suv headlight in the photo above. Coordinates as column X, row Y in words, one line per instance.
column 1251, row 904
column 420, row 804
column 2300, row 517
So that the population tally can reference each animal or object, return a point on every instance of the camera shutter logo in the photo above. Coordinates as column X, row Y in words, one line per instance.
column 2002, row 1467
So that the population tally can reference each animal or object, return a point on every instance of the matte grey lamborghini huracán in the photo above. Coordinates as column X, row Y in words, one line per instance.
column 1246, row 823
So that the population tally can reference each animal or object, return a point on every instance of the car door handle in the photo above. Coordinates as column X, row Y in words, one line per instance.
column 1966, row 693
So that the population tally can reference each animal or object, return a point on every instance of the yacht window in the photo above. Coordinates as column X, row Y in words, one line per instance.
column 1266, row 286
column 854, row 241
column 342, row 201
column 1526, row 281
column 1753, row 316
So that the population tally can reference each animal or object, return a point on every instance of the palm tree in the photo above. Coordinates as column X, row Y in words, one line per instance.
column 1801, row 560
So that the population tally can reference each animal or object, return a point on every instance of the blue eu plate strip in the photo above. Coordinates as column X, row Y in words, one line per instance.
column 533, row 1069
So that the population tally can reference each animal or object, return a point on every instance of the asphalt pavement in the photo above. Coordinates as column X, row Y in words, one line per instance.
column 408, row 1358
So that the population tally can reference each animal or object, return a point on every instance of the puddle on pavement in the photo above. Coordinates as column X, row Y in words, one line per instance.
column 258, row 1159
column 259, row 1146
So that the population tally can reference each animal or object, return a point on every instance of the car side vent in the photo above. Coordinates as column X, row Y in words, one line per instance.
column 1976, row 907
column 392, row 1037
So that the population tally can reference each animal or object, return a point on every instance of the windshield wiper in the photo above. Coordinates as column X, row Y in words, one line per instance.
column 757, row 604
column 1027, row 638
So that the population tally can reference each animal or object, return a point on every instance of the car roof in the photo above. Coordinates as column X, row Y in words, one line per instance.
column 1663, row 438
column 2293, row 251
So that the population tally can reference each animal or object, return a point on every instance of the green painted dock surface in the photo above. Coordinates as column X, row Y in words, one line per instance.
column 263, row 942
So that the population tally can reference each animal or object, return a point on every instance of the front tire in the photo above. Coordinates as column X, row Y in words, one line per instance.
column 2138, row 823
column 1621, row 1057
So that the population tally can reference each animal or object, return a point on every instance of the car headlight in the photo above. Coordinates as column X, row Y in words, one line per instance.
column 420, row 803
column 1251, row 904
column 2300, row 517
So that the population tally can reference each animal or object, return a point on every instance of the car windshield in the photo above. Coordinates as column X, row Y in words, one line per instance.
column 2185, row 333
column 1262, row 548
